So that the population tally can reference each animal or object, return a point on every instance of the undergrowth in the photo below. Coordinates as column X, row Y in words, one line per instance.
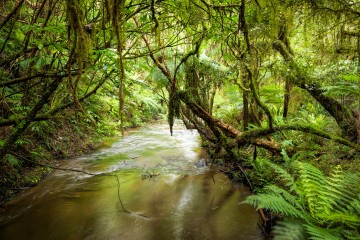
column 311, row 204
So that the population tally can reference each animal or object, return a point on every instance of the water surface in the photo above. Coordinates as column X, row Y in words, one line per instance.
column 163, row 180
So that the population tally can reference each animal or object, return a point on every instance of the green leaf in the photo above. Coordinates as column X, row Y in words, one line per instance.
column 13, row 161
column 40, row 62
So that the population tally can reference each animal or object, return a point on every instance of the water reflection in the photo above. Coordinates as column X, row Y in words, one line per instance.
column 182, row 199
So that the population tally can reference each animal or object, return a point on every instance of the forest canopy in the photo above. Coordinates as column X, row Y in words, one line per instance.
column 242, row 70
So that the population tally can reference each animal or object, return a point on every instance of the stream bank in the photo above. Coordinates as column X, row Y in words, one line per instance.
column 55, row 141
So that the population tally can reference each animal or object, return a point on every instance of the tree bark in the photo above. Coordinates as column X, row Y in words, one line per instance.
column 286, row 98
column 228, row 130
column 245, row 98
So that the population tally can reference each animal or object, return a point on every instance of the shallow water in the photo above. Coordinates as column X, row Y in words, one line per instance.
column 164, row 182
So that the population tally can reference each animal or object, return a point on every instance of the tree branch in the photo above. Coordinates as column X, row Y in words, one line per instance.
column 43, row 75
column 12, row 13
column 251, row 134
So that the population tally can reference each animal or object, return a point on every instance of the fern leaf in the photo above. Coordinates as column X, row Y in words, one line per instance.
column 286, row 195
column 286, row 177
column 354, row 205
column 317, row 233
column 313, row 184
column 316, row 200
column 342, row 188
column 348, row 219
column 276, row 204
column 289, row 231
column 351, row 235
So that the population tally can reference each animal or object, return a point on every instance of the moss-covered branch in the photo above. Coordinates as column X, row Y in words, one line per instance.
column 52, row 112
column 228, row 130
column 258, row 100
column 37, row 75
column 256, row 133
column 23, row 125
column 344, row 117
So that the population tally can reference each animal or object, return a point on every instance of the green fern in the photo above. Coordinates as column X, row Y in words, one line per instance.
column 313, row 182
column 286, row 195
column 286, row 177
column 312, row 204
column 317, row 233
column 276, row 203
column 289, row 231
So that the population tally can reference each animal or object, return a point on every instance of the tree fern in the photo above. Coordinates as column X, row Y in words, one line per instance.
column 313, row 204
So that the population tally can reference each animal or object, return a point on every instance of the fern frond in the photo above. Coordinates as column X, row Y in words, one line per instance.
column 349, row 219
column 313, row 185
column 286, row 177
column 276, row 204
column 342, row 188
column 354, row 205
column 285, row 194
column 350, row 234
column 317, row 233
column 327, row 207
column 309, row 172
column 289, row 231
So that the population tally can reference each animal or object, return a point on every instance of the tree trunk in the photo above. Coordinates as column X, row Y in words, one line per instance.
column 245, row 98
column 121, row 42
column 286, row 98
column 226, row 129
column 344, row 117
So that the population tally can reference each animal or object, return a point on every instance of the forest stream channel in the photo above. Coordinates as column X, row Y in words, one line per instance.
column 162, row 177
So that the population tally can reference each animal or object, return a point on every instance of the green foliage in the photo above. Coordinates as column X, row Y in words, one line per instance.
column 312, row 204
column 344, row 88
column 12, row 161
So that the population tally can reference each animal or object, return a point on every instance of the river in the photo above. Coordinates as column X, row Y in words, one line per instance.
column 164, row 183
